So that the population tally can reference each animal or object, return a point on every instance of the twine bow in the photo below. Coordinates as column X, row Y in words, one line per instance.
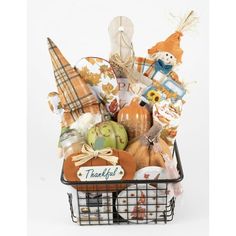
column 126, row 66
column 131, row 73
column 88, row 153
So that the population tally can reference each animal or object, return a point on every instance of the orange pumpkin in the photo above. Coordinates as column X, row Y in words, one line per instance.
column 135, row 118
column 142, row 149
column 126, row 161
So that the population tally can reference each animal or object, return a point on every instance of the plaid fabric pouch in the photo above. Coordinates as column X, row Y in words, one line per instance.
column 73, row 91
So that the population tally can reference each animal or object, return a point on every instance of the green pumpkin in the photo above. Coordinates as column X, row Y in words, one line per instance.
column 107, row 134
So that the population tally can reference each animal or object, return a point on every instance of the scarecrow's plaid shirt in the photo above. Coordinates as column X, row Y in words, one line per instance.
column 75, row 95
column 145, row 66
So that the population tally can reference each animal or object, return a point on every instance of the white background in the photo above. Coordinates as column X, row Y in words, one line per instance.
column 79, row 28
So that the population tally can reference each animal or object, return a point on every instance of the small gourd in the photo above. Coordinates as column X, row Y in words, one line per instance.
column 135, row 118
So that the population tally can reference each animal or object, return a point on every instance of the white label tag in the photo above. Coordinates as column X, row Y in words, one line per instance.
column 100, row 173
column 173, row 86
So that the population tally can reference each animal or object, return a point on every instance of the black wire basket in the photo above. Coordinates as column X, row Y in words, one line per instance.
column 139, row 202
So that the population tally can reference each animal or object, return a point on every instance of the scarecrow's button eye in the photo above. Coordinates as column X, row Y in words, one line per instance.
column 171, row 57
column 167, row 54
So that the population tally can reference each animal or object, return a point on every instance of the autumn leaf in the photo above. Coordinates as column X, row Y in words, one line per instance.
column 103, row 69
column 99, row 60
column 115, row 90
column 107, row 71
column 110, row 73
column 94, row 79
column 91, row 60
column 107, row 88
column 84, row 72
column 90, row 78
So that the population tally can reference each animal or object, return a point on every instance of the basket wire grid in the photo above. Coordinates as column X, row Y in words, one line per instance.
column 138, row 202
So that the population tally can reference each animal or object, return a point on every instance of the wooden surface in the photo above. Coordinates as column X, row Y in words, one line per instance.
column 121, row 32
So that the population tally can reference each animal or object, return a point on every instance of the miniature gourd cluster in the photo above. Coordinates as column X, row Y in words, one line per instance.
column 123, row 111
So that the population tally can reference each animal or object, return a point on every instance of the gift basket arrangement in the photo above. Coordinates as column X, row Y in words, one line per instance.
column 119, row 120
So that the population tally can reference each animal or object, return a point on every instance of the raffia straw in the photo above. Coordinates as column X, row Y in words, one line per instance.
column 187, row 22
